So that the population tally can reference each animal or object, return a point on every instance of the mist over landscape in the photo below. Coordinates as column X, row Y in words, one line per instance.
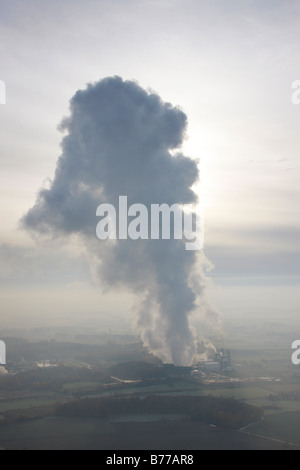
column 141, row 340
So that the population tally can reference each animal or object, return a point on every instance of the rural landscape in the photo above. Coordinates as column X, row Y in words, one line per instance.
column 105, row 391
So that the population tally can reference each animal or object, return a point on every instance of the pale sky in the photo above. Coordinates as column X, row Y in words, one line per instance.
column 229, row 65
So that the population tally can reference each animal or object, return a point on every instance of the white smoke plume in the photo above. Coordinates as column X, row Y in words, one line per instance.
column 122, row 140
column 206, row 350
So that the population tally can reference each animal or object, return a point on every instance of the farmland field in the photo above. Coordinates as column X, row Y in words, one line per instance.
column 26, row 403
column 79, row 385
column 284, row 426
column 63, row 433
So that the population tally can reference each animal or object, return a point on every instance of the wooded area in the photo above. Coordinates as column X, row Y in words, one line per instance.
column 225, row 412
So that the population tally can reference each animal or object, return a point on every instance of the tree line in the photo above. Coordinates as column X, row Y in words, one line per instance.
column 226, row 412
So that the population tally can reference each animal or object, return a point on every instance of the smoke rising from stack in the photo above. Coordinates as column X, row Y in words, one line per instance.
column 122, row 140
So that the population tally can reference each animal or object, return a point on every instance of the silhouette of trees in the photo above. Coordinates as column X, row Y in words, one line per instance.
column 219, row 411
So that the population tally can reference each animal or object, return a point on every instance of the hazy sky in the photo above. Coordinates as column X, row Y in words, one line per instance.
column 229, row 65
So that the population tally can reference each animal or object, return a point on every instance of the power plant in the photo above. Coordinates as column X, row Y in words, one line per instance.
column 223, row 358
column 220, row 363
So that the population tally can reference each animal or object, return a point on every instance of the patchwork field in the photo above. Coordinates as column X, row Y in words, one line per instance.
column 284, row 426
column 92, row 434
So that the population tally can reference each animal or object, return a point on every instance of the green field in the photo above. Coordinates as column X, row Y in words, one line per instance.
column 249, row 394
column 147, row 418
column 26, row 403
column 94, row 434
column 284, row 426
column 80, row 385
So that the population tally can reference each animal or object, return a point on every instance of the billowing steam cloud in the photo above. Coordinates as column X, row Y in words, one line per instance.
column 118, row 142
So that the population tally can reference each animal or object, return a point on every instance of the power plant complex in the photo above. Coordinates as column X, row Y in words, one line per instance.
column 220, row 363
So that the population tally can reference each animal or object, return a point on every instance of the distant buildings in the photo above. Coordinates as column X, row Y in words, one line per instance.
column 213, row 367
column 47, row 363
column 220, row 363
column 223, row 358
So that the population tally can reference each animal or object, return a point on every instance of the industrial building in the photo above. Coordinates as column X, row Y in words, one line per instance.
column 223, row 358
column 220, row 363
